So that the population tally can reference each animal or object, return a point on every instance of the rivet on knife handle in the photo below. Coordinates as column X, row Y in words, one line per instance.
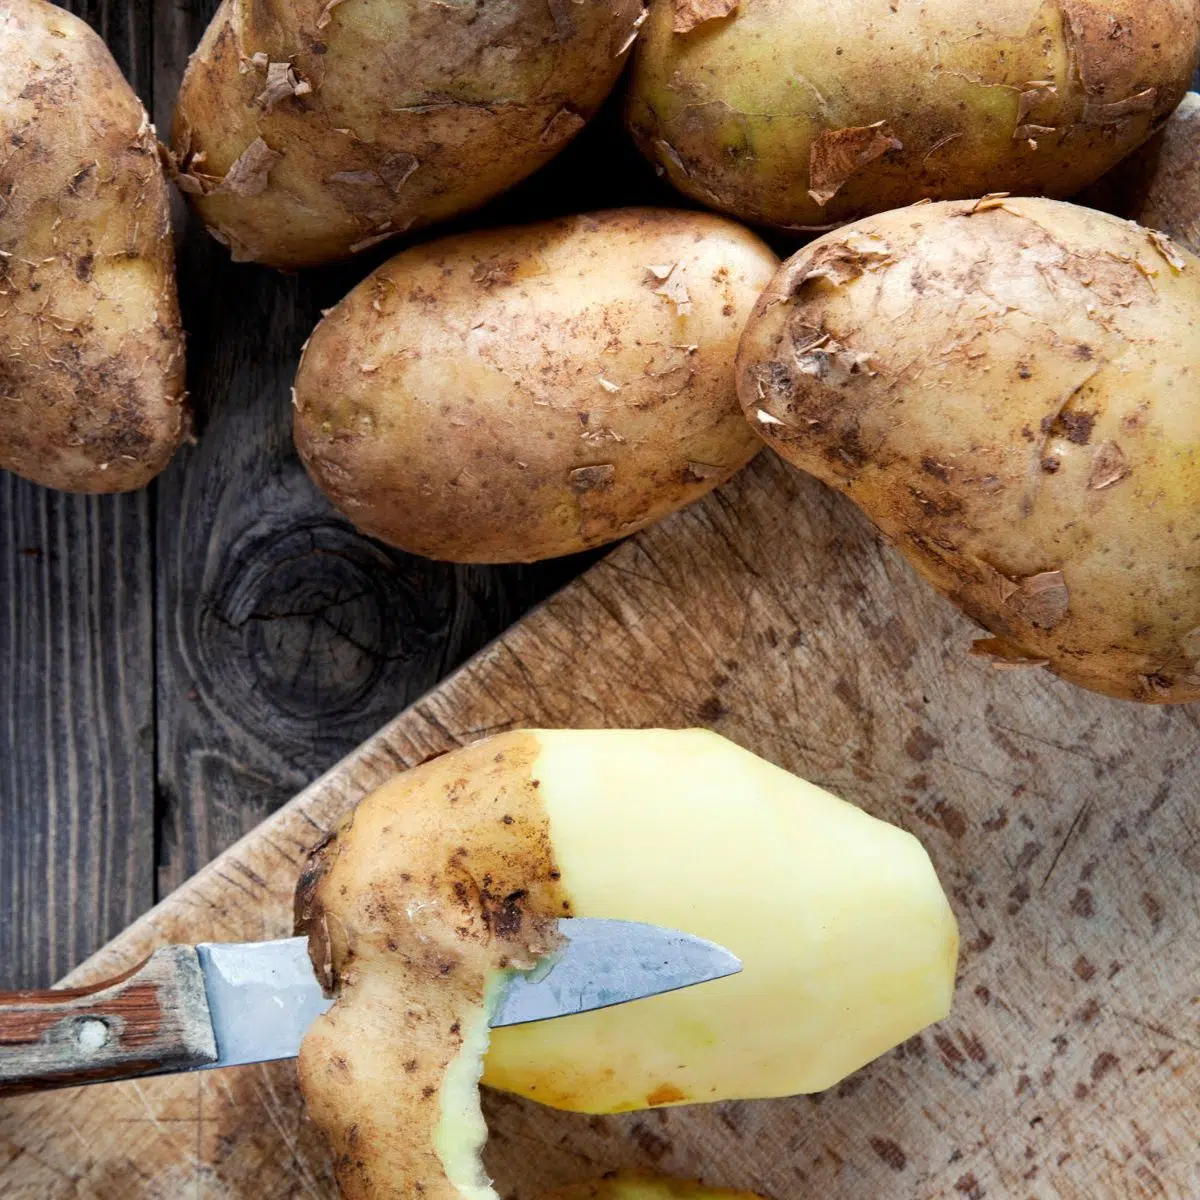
column 151, row 1020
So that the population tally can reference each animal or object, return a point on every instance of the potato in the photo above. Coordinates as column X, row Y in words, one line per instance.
column 455, row 871
column 1159, row 186
column 1010, row 389
column 91, row 352
column 522, row 393
column 307, row 131
column 813, row 114
column 645, row 1187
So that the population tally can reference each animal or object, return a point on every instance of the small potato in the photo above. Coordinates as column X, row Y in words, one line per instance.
column 307, row 131
column 91, row 351
column 812, row 114
column 1010, row 389
column 1159, row 186
column 517, row 394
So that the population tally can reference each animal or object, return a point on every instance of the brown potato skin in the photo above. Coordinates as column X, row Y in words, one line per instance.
column 409, row 112
column 1009, row 390
column 435, row 882
column 1159, row 186
column 628, row 1185
column 91, row 350
column 517, row 394
column 732, row 110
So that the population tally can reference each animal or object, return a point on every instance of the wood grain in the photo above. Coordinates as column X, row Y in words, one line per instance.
column 284, row 637
column 175, row 664
column 76, row 725
column 152, row 1018
column 1062, row 823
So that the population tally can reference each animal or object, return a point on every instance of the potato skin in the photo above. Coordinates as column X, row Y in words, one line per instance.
column 633, row 1186
column 395, row 113
column 512, row 395
column 1010, row 391
column 755, row 112
column 1159, row 186
column 91, row 351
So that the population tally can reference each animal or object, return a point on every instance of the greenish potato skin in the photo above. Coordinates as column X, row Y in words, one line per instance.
column 308, row 130
column 92, row 392
column 768, row 113
column 517, row 394
column 1010, row 390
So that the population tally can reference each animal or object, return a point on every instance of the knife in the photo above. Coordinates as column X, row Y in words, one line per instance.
column 190, row 1008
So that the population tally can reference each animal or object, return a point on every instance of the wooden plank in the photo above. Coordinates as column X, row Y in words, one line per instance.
column 284, row 637
column 1061, row 823
column 76, row 680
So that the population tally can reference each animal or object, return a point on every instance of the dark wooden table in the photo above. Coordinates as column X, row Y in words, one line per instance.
column 175, row 664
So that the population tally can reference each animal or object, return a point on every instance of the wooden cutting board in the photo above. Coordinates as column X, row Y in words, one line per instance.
column 1064, row 826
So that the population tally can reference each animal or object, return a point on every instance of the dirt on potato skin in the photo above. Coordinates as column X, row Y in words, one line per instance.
column 1004, row 388
column 513, row 395
column 367, row 121
column 438, row 880
column 91, row 350
column 937, row 100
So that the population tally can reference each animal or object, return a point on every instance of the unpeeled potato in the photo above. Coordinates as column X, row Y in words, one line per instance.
column 309, row 130
column 516, row 394
column 1010, row 389
column 812, row 114
column 91, row 351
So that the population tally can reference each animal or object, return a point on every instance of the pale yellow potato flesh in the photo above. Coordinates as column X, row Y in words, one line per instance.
column 1011, row 391
column 91, row 351
column 308, row 130
column 511, row 395
column 688, row 831
column 645, row 1187
column 811, row 114
column 455, row 870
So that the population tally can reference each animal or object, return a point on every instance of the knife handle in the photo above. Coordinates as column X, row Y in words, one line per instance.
column 151, row 1020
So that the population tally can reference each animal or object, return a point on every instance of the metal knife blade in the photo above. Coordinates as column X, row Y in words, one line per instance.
column 262, row 996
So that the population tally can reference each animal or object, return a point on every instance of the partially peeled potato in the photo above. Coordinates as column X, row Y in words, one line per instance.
column 455, row 872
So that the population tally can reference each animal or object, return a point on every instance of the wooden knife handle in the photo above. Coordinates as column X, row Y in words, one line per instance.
column 152, row 1020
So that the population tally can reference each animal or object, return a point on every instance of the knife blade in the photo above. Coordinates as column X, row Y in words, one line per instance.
column 228, row 1004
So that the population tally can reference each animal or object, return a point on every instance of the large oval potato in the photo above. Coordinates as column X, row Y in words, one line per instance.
column 91, row 351
column 310, row 129
column 523, row 393
column 1011, row 390
column 813, row 114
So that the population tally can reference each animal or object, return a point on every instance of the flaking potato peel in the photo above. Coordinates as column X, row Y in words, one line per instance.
column 454, row 872
column 808, row 115
column 91, row 350
column 309, row 130
column 516, row 394
column 1010, row 389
